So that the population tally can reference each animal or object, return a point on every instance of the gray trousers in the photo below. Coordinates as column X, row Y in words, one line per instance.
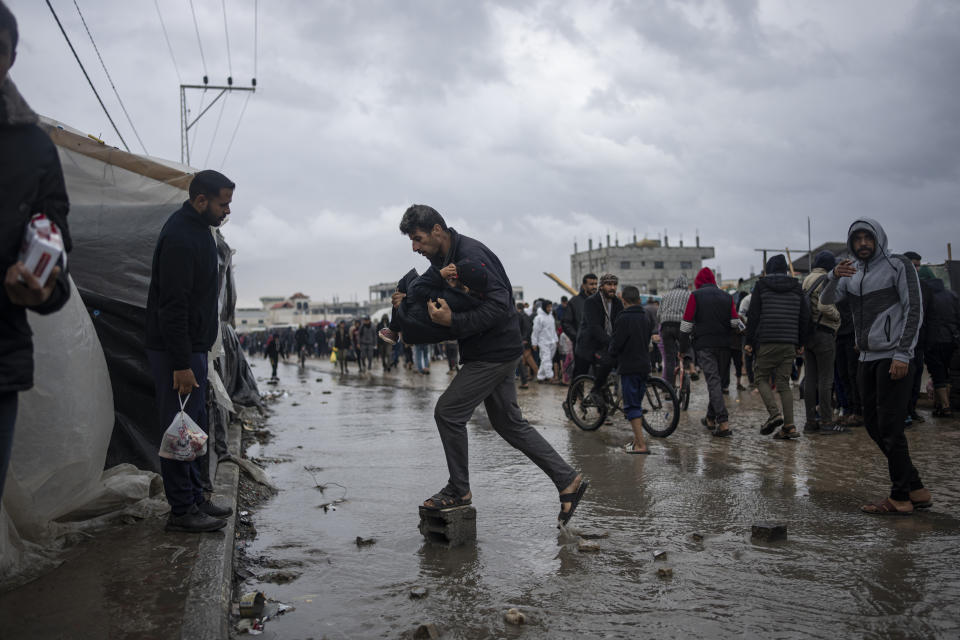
column 776, row 359
column 713, row 362
column 818, row 356
column 493, row 384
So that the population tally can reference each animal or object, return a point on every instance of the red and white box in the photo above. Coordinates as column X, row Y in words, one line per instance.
column 42, row 247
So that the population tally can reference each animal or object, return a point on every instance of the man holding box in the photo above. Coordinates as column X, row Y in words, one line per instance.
column 182, row 326
column 31, row 182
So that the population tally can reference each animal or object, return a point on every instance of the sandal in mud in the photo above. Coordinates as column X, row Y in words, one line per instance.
column 788, row 432
column 885, row 508
column 446, row 498
column 574, row 499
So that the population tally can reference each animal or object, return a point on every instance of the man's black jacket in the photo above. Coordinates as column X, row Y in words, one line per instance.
column 630, row 343
column 571, row 317
column 182, row 313
column 31, row 181
column 592, row 338
column 490, row 332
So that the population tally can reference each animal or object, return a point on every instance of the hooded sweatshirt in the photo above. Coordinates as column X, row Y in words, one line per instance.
column 884, row 296
column 710, row 315
column 674, row 302
column 778, row 308
column 824, row 315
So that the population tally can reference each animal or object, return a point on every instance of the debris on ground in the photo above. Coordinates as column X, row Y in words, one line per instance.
column 418, row 593
column 365, row 542
column 515, row 616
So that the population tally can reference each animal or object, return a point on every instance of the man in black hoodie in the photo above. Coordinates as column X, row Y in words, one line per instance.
column 490, row 349
column 776, row 332
column 182, row 325
column 31, row 181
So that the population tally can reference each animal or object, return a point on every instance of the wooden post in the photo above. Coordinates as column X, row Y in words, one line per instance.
column 949, row 252
column 790, row 262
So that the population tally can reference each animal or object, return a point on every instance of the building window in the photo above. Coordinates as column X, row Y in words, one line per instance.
column 260, row 321
column 686, row 265
column 658, row 264
column 243, row 322
column 624, row 264
column 643, row 263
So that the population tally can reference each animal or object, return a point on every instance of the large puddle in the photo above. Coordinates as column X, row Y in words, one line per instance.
column 372, row 442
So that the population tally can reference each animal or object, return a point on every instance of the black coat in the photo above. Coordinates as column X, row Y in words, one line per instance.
column 412, row 314
column 592, row 338
column 943, row 317
column 490, row 332
column 182, row 313
column 571, row 317
column 779, row 312
column 630, row 342
column 713, row 314
column 31, row 181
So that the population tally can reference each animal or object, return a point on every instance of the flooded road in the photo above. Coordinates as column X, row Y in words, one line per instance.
column 371, row 441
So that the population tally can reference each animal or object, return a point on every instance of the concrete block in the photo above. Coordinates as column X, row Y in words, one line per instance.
column 449, row 527
column 768, row 532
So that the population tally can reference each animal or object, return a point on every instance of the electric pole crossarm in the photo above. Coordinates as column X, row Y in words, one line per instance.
column 212, row 102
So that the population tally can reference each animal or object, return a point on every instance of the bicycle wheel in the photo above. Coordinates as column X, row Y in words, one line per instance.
column 661, row 408
column 584, row 412
column 685, row 392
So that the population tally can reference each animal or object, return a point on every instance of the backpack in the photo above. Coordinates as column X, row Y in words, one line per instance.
column 814, row 320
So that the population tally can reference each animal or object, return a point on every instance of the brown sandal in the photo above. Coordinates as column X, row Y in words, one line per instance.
column 885, row 508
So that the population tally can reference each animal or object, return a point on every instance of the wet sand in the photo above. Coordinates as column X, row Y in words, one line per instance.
column 840, row 573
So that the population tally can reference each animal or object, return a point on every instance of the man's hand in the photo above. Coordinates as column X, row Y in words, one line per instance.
column 449, row 271
column 800, row 351
column 655, row 338
column 748, row 348
column 397, row 298
column 443, row 316
column 184, row 381
column 845, row 269
column 898, row 370
column 29, row 292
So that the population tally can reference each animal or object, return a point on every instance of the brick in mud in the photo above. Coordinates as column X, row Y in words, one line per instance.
column 768, row 532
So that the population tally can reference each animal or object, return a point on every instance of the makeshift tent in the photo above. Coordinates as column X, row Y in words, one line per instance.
column 92, row 406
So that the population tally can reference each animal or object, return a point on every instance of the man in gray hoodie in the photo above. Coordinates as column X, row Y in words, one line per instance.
column 884, row 294
column 669, row 315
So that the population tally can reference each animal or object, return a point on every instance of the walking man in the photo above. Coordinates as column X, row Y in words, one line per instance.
column 820, row 350
column 182, row 324
column 630, row 346
column 884, row 293
column 544, row 340
column 572, row 318
column 490, row 349
column 711, row 317
column 776, row 329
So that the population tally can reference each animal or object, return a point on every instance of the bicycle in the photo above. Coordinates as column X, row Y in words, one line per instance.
column 661, row 407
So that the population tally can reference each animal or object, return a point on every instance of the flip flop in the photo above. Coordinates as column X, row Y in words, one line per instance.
column 885, row 508
column 628, row 448
column 725, row 433
column 574, row 500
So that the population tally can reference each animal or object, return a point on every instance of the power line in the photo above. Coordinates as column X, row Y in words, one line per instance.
column 199, row 42
column 112, row 85
column 167, row 38
column 89, row 81
column 216, row 128
column 226, row 34
column 237, row 128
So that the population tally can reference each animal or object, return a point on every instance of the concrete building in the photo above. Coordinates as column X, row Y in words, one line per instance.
column 650, row 265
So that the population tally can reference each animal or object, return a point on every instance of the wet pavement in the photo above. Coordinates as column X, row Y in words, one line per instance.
column 371, row 444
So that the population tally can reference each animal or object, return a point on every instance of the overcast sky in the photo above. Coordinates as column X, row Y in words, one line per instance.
column 529, row 124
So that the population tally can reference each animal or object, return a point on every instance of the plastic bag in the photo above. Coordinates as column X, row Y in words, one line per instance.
column 183, row 440
column 333, row 355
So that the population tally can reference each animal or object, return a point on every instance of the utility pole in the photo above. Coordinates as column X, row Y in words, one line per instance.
column 185, row 126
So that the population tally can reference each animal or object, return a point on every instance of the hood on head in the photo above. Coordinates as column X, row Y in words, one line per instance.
column 872, row 226
column 776, row 264
column 925, row 273
column 825, row 260
column 704, row 276
column 681, row 282
column 472, row 274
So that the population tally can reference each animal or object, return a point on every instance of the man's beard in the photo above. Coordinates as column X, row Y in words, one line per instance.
column 211, row 219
